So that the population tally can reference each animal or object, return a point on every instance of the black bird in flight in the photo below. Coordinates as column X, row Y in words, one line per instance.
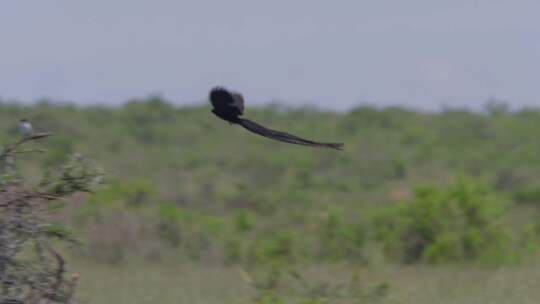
column 229, row 106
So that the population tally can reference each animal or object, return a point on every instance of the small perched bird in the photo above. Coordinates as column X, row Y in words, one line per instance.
column 229, row 106
column 25, row 128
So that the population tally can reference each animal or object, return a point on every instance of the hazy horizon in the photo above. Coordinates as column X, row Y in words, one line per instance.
column 417, row 54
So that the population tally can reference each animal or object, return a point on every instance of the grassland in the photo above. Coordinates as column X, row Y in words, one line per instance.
column 421, row 284
column 419, row 208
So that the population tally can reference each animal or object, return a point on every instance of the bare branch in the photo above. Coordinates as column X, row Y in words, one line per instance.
column 29, row 151
column 10, row 149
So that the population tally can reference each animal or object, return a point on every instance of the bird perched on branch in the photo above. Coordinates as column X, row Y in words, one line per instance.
column 229, row 106
column 27, row 131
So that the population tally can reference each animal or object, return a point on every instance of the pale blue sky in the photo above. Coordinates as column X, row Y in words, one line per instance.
column 420, row 53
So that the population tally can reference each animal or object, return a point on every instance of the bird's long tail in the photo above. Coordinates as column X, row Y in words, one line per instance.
column 285, row 137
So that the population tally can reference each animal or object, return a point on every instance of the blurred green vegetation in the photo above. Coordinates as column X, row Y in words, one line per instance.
column 410, row 186
column 462, row 221
column 444, row 189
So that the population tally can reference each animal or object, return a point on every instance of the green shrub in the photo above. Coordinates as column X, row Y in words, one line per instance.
column 271, row 249
column 192, row 231
column 342, row 239
column 244, row 222
column 528, row 194
column 460, row 222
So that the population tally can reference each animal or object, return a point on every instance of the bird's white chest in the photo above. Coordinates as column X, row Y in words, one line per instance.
column 25, row 128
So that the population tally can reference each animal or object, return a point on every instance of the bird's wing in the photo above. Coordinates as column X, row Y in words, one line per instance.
column 285, row 137
column 238, row 101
